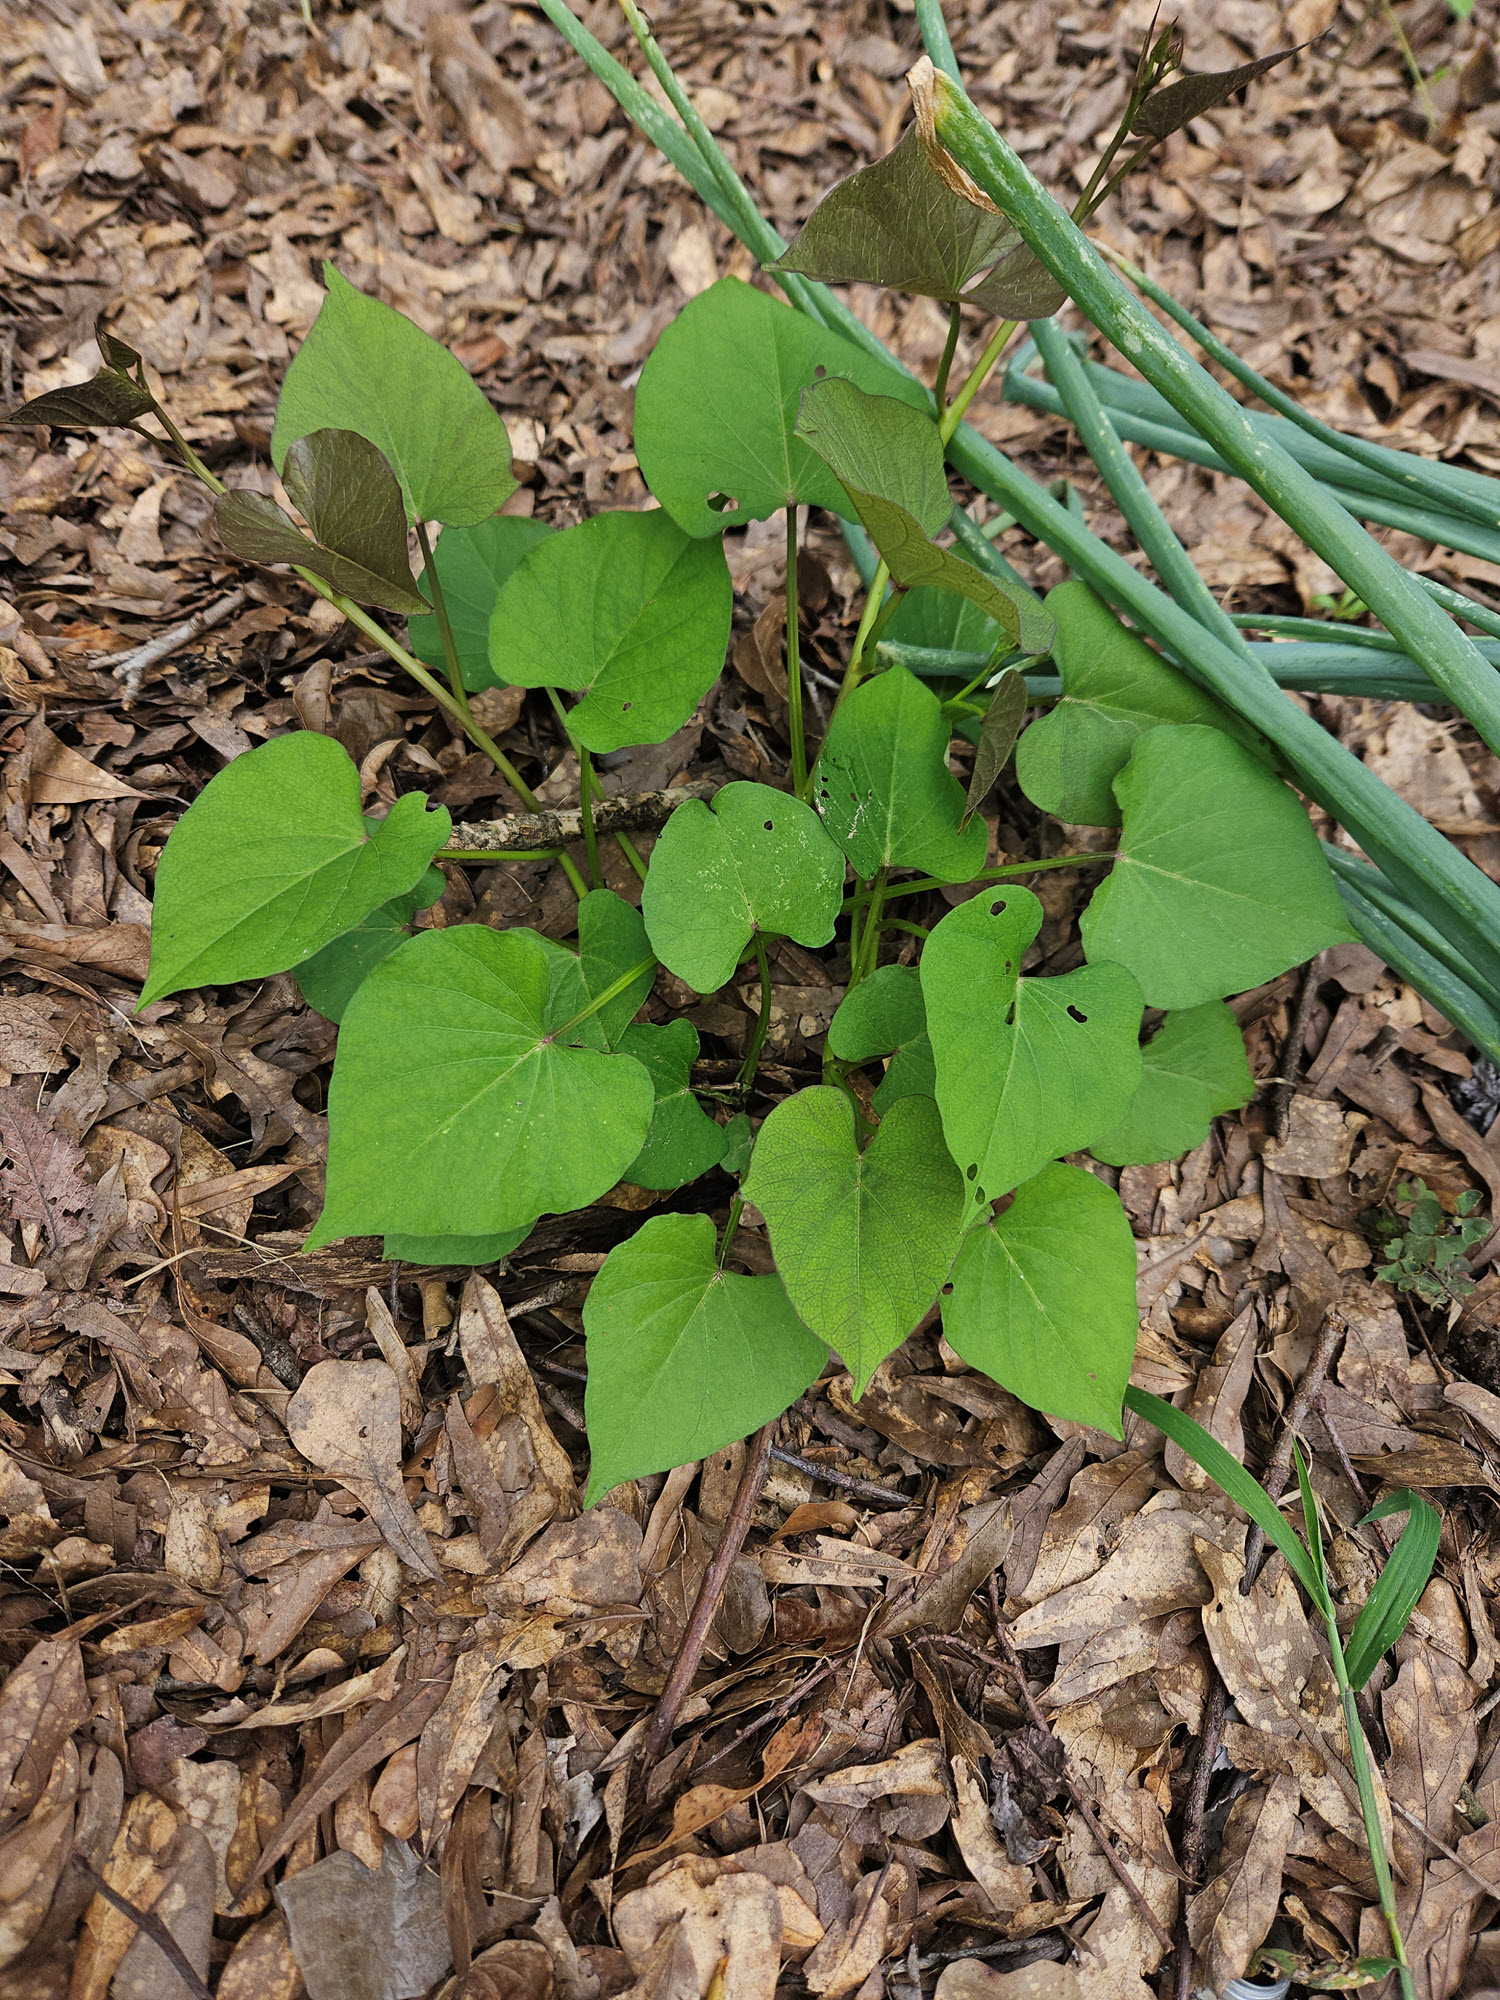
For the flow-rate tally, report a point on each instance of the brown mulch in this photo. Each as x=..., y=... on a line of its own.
x=982, y=1690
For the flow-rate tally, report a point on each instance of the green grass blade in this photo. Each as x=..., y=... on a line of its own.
x=1398, y=1586
x=1231, y=1477
x=1424, y=864
x=1122, y=476
x=1453, y=996
x=1401, y=605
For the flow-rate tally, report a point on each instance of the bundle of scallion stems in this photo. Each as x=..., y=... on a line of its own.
x=1416, y=900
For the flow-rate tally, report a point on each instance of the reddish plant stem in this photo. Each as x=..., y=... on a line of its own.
x=710, y=1592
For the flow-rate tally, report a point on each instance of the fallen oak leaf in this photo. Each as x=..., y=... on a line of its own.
x=370, y=1741
x=346, y=1420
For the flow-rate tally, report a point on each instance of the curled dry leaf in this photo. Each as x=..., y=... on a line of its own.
x=696, y=1928
x=346, y=1420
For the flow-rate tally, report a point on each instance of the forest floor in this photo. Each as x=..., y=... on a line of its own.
x=213, y=1658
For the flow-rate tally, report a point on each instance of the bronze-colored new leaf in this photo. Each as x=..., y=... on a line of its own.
x=997, y=736
x=1166, y=111
x=349, y=496
x=899, y=224
x=109, y=400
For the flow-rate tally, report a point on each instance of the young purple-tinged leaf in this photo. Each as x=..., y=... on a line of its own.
x=862, y=1240
x=118, y=354
x=109, y=400
x=888, y=458
x=352, y=503
x=365, y=367
x=663, y=1323
x=898, y=224
x=1167, y=110
x=997, y=736
x=1043, y=1297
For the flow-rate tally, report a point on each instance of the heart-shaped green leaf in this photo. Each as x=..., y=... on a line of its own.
x=683, y=1141
x=716, y=407
x=1026, y=1068
x=684, y=1358
x=611, y=943
x=881, y=450
x=625, y=607
x=472, y=566
x=365, y=367
x=885, y=1016
x=862, y=1240
x=1192, y=1071
x=1220, y=883
x=889, y=460
x=329, y=977
x=272, y=861
x=884, y=788
x=455, y=1109
x=1043, y=1297
x=757, y=861
x=453, y=1249
x=897, y=223
x=1115, y=688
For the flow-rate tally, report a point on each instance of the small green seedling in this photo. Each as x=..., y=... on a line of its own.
x=485, y=1078
x=1429, y=1256
x=1383, y=1618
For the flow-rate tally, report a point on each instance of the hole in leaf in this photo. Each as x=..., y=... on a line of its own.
x=995, y=909
x=820, y=373
x=1010, y=1015
x=769, y=827
x=947, y=1291
x=972, y=1171
x=722, y=503
x=626, y=706
x=1074, y=1015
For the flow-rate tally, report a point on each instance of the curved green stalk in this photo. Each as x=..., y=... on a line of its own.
x=1401, y=606
x=762, y=1020
x=1131, y=495
x=1415, y=474
x=794, y=660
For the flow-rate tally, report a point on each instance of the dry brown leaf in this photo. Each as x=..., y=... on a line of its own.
x=1005, y=1883
x=1319, y=1140
x=363, y=1934
x=346, y=1420
x=505, y=1414
x=44, y=1181
x=1154, y=1571
x=1217, y=1399
x=708, y=1926
x=1281, y=1684
x=1119, y=1948
x=453, y=1739
x=61, y=777
x=1228, y=1919
x=575, y=1567
x=42, y=1703
x=261, y=1966
x=974, y=1979
x=850, y=1950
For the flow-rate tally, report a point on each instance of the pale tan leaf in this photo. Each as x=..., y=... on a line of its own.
x=346, y=1420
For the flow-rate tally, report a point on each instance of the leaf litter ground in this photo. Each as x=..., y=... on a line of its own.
x=312, y=1657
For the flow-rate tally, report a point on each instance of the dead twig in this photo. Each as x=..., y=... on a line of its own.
x=132, y=668
x=1279, y=1471
x=1013, y=1670
x=626, y=812
x=775, y=1713
x=1291, y=1055
x=1192, y=1824
x=153, y=1927
x=709, y=1593
x=866, y=1489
